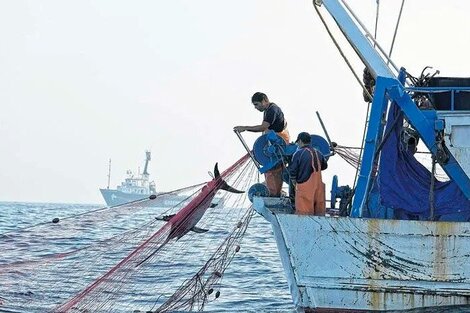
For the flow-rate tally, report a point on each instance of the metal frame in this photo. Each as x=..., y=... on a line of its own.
x=388, y=87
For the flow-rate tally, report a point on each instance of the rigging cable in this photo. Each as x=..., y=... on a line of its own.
x=119, y=274
x=368, y=35
x=388, y=62
x=341, y=51
x=359, y=158
x=134, y=204
x=355, y=75
x=195, y=291
x=376, y=22
x=396, y=30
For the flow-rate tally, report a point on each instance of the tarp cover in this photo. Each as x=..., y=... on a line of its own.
x=401, y=189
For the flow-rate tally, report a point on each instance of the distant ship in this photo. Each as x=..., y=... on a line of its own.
x=139, y=187
x=134, y=187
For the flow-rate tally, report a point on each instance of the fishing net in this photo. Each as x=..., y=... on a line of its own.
x=124, y=258
x=349, y=155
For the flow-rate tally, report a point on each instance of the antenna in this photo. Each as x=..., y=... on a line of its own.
x=147, y=159
x=109, y=173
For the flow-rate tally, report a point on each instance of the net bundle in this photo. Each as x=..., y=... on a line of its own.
x=120, y=259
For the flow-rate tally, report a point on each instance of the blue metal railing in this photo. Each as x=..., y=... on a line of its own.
x=435, y=90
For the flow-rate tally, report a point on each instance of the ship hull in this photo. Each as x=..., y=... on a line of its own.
x=342, y=264
x=114, y=197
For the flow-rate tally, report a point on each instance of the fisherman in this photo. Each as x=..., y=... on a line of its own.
x=273, y=119
x=305, y=173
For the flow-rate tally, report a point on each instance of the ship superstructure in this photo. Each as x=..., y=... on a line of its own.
x=134, y=187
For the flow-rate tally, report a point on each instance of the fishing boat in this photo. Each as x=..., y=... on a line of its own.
x=401, y=238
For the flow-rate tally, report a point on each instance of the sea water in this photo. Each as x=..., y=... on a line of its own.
x=253, y=282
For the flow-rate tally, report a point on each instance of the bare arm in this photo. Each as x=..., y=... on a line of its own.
x=256, y=129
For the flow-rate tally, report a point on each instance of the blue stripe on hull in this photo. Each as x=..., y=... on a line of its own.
x=114, y=197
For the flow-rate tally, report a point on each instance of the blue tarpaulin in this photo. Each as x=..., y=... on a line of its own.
x=402, y=186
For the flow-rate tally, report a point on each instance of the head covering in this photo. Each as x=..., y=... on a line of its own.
x=258, y=97
x=304, y=137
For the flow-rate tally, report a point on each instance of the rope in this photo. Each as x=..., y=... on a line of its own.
x=351, y=157
x=396, y=30
x=341, y=52
x=118, y=275
x=369, y=35
x=363, y=141
x=201, y=285
x=352, y=162
x=136, y=203
x=130, y=287
x=376, y=21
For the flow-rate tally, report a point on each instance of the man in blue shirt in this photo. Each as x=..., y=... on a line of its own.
x=273, y=119
x=305, y=173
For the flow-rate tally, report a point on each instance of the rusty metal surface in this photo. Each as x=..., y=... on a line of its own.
x=457, y=132
x=441, y=309
x=372, y=264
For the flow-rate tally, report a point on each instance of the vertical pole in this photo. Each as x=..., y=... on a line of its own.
x=431, y=191
x=372, y=140
x=452, y=99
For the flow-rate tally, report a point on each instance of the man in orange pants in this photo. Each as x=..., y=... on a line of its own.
x=305, y=172
x=273, y=119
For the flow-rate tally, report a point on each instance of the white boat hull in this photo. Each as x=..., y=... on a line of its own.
x=338, y=264
x=114, y=197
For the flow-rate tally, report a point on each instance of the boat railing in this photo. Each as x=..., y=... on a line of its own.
x=445, y=98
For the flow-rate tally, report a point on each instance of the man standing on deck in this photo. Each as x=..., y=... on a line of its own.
x=305, y=173
x=273, y=119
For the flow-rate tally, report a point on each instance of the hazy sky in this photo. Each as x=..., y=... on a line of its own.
x=85, y=81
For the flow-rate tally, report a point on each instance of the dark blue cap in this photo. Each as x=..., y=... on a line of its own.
x=304, y=137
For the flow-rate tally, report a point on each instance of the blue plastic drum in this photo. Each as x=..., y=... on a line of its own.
x=320, y=143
